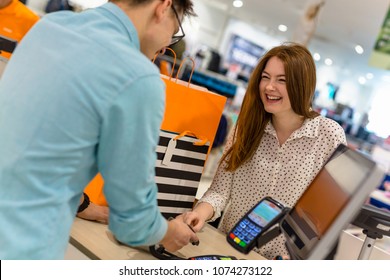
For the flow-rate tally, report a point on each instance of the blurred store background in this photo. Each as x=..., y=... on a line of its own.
x=349, y=40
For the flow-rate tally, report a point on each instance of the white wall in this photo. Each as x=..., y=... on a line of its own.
x=37, y=6
x=350, y=92
x=205, y=29
x=214, y=26
x=353, y=94
x=379, y=113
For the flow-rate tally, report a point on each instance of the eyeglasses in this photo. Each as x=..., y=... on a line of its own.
x=176, y=38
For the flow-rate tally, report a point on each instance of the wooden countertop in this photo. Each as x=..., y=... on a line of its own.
x=97, y=242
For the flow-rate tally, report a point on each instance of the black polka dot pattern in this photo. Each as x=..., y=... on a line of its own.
x=282, y=172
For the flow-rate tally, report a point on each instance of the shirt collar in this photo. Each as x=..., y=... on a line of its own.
x=120, y=15
x=308, y=129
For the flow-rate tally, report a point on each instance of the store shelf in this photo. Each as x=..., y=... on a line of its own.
x=214, y=82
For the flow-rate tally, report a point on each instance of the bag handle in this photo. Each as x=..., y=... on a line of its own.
x=174, y=60
x=202, y=140
x=172, y=145
x=181, y=65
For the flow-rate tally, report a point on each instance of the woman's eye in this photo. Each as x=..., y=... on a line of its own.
x=264, y=77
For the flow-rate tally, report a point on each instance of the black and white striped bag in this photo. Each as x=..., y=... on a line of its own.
x=179, y=167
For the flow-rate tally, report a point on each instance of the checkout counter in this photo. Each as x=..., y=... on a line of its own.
x=95, y=241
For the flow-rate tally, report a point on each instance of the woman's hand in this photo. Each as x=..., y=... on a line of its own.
x=198, y=217
x=194, y=219
x=178, y=235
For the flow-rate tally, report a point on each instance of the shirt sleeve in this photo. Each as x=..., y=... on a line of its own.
x=126, y=160
x=331, y=136
x=336, y=133
x=219, y=192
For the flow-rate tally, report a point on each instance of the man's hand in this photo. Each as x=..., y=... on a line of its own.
x=95, y=213
x=178, y=235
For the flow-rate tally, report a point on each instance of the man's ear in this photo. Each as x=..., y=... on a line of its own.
x=162, y=9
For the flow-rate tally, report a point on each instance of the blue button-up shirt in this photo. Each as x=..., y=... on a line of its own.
x=77, y=98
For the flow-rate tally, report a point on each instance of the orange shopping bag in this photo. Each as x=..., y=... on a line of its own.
x=190, y=122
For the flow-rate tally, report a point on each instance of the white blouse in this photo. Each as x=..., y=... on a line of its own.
x=282, y=172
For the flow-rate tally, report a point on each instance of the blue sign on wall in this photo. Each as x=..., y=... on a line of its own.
x=244, y=53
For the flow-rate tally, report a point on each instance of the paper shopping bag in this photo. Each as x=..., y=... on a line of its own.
x=193, y=109
x=188, y=108
x=179, y=166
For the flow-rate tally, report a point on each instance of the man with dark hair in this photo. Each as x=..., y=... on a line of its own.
x=81, y=96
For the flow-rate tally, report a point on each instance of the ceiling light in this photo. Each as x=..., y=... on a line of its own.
x=369, y=76
x=328, y=61
x=362, y=80
x=238, y=3
x=282, y=28
x=359, y=49
x=316, y=56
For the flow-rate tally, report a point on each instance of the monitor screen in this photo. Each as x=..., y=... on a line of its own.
x=331, y=201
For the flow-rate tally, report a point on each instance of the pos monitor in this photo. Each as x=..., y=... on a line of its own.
x=312, y=227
